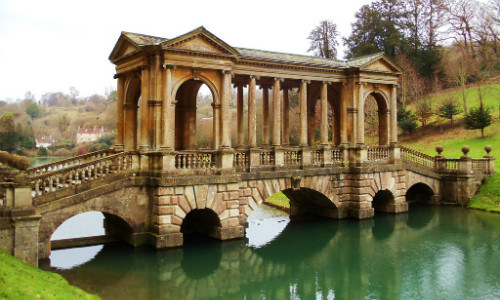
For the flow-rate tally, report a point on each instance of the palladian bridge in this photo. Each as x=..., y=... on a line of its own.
x=156, y=184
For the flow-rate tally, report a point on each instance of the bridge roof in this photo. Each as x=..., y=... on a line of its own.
x=141, y=40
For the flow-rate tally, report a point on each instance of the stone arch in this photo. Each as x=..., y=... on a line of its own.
x=385, y=192
x=185, y=93
x=204, y=221
x=320, y=189
x=50, y=223
x=383, y=200
x=206, y=80
x=383, y=106
x=131, y=112
x=419, y=193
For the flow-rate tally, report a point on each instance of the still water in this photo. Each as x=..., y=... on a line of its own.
x=429, y=253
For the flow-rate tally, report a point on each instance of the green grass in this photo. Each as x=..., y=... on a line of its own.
x=20, y=281
x=488, y=197
x=452, y=138
x=279, y=200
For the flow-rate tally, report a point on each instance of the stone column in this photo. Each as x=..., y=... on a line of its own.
x=343, y=115
x=361, y=115
x=168, y=110
x=277, y=112
x=324, y=115
x=252, y=113
x=216, y=124
x=285, y=119
x=144, y=141
x=394, y=116
x=303, y=112
x=226, y=113
x=265, y=116
x=119, y=112
x=239, y=120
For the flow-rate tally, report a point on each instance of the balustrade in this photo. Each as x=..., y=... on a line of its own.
x=267, y=158
x=194, y=160
x=51, y=181
x=293, y=157
x=378, y=153
x=241, y=159
x=337, y=155
x=68, y=163
x=480, y=165
x=418, y=158
x=317, y=157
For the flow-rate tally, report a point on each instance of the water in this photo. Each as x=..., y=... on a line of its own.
x=38, y=161
x=429, y=253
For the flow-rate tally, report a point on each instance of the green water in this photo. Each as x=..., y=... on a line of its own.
x=429, y=253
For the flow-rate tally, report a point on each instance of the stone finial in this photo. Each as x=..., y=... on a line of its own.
x=439, y=149
x=488, y=149
x=465, y=149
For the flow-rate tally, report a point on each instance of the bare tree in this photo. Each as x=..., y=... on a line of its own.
x=324, y=40
x=413, y=85
x=461, y=17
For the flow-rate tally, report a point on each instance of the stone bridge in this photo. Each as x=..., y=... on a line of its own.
x=165, y=176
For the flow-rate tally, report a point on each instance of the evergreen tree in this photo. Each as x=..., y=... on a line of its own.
x=33, y=110
x=449, y=109
x=478, y=118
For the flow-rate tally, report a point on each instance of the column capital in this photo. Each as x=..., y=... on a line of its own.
x=264, y=87
x=279, y=79
x=239, y=84
x=227, y=72
x=257, y=77
x=326, y=82
x=169, y=66
x=306, y=81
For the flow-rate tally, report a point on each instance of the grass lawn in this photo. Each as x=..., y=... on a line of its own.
x=279, y=200
x=20, y=281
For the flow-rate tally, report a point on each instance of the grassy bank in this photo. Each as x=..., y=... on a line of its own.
x=20, y=281
x=279, y=201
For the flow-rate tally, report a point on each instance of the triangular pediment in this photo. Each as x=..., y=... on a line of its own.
x=124, y=46
x=380, y=64
x=200, y=41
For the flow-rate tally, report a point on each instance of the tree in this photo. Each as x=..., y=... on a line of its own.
x=406, y=119
x=424, y=110
x=8, y=136
x=478, y=118
x=449, y=109
x=33, y=110
x=324, y=40
x=378, y=27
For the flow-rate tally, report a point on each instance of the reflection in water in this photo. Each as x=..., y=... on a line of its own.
x=70, y=258
x=454, y=256
x=264, y=225
x=420, y=215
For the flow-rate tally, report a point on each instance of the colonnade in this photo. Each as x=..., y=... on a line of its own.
x=156, y=127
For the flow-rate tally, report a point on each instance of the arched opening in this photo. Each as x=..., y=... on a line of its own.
x=376, y=123
x=419, y=193
x=201, y=221
x=131, y=113
x=383, y=201
x=81, y=237
x=194, y=116
x=314, y=121
x=306, y=202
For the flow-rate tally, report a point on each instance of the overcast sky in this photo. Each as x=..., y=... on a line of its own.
x=51, y=45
